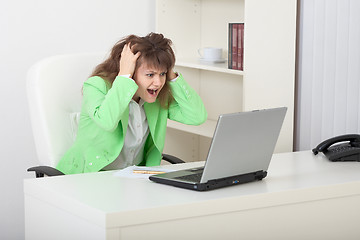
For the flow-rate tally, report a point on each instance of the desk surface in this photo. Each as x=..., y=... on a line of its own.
x=109, y=201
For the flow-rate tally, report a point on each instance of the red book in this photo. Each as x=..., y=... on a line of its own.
x=234, y=46
x=240, y=47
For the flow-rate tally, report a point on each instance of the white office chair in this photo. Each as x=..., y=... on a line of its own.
x=54, y=88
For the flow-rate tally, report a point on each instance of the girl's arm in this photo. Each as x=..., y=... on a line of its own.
x=106, y=107
x=187, y=106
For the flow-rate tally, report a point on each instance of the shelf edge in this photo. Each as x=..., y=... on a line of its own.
x=208, y=67
x=206, y=129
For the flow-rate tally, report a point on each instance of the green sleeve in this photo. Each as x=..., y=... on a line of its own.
x=188, y=108
x=106, y=106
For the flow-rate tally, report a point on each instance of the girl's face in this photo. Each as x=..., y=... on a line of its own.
x=150, y=82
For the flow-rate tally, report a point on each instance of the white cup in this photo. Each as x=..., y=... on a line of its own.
x=210, y=53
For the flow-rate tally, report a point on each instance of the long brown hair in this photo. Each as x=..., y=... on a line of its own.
x=155, y=50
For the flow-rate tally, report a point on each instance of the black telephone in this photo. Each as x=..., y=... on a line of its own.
x=348, y=151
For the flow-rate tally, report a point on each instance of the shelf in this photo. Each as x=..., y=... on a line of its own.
x=206, y=129
x=268, y=77
x=215, y=67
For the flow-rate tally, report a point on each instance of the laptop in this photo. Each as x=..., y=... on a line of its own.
x=240, y=152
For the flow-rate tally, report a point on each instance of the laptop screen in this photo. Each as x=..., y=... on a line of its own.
x=243, y=142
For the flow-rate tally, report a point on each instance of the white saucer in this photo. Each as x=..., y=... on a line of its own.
x=221, y=60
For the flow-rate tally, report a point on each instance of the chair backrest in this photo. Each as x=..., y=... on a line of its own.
x=54, y=89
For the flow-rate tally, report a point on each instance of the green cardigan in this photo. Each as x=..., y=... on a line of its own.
x=104, y=121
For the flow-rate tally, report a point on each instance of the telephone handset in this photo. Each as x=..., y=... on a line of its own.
x=341, y=148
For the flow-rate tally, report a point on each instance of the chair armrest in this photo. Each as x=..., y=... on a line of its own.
x=40, y=171
x=171, y=159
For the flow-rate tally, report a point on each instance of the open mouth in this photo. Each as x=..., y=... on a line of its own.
x=153, y=91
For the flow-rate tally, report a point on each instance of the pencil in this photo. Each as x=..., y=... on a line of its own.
x=148, y=171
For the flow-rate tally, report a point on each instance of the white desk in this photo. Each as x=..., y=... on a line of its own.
x=303, y=197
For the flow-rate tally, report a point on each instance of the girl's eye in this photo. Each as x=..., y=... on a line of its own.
x=163, y=74
x=150, y=74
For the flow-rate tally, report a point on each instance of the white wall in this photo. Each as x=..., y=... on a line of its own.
x=34, y=29
x=329, y=71
x=30, y=31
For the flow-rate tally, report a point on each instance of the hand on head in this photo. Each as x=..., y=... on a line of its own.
x=171, y=74
x=128, y=61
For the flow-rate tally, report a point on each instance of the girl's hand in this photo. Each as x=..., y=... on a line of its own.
x=171, y=75
x=128, y=61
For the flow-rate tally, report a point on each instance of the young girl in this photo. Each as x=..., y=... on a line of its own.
x=126, y=104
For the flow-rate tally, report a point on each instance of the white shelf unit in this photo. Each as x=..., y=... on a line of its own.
x=269, y=63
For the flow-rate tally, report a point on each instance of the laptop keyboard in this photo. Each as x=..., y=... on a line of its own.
x=191, y=178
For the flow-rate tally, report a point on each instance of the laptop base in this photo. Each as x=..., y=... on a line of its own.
x=213, y=184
